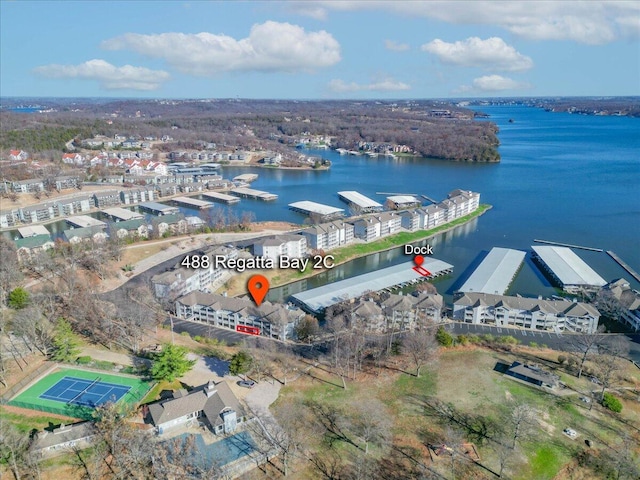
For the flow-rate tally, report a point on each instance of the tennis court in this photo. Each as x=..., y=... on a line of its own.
x=75, y=392
x=79, y=391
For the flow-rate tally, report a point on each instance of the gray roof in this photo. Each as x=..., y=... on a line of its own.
x=533, y=372
x=567, y=266
x=85, y=232
x=64, y=434
x=528, y=304
x=495, y=272
x=197, y=400
x=319, y=298
x=314, y=207
x=358, y=199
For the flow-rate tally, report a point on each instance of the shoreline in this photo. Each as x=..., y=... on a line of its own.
x=277, y=279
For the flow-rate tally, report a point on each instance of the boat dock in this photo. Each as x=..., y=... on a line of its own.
x=84, y=221
x=313, y=208
x=254, y=194
x=192, y=202
x=158, y=209
x=547, y=242
x=397, y=276
x=246, y=177
x=360, y=203
x=624, y=265
x=221, y=198
x=120, y=214
x=496, y=272
x=567, y=269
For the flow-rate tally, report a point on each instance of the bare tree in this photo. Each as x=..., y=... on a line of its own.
x=14, y=447
x=372, y=423
x=584, y=345
x=421, y=347
x=34, y=327
x=607, y=371
x=10, y=273
x=521, y=422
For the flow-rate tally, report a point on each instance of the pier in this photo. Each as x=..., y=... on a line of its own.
x=624, y=265
x=246, y=177
x=158, y=208
x=361, y=203
x=254, y=194
x=192, y=202
x=325, y=212
x=120, y=214
x=221, y=198
x=547, y=242
x=84, y=221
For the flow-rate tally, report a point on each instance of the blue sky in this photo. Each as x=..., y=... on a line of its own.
x=319, y=49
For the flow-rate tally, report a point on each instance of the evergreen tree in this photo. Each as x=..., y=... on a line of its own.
x=18, y=298
x=171, y=363
x=240, y=363
x=65, y=342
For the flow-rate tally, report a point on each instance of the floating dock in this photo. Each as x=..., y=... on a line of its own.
x=84, y=221
x=221, y=198
x=33, y=231
x=496, y=272
x=624, y=265
x=246, y=177
x=313, y=208
x=567, y=269
x=122, y=214
x=158, y=209
x=568, y=245
x=255, y=194
x=192, y=202
x=360, y=202
x=404, y=201
x=317, y=299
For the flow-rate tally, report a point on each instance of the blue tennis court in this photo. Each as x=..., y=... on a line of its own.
x=81, y=391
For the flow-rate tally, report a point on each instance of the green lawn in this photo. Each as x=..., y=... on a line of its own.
x=30, y=398
x=26, y=424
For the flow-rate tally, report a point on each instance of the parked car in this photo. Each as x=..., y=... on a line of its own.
x=585, y=399
x=570, y=432
x=247, y=383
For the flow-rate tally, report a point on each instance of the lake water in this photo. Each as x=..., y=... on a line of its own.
x=567, y=178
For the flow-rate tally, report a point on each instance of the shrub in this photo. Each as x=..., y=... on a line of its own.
x=487, y=338
x=18, y=298
x=611, y=402
x=444, y=338
x=462, y=339
x=533, y=344
x=562, y=359
x=509, y=340
x=199, y=339
x=185, y=334
x=84, y=360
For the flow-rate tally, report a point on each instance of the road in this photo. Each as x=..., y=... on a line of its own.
x=556, y=341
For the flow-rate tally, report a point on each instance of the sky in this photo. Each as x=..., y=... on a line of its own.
x=319, y=49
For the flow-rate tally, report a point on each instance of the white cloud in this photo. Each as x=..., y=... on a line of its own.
x=396, y=46
x=591, y=22
x=111, y=77
x=386, y=85
x=492, y=54
x=270, y=47
x=496, y=83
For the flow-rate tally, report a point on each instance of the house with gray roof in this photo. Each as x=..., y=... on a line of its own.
x=292, y=246
x=63, y=439
x=627, y=300
x=212, y=404
x=533, y=374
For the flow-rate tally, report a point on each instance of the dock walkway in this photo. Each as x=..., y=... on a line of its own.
x=624, y=265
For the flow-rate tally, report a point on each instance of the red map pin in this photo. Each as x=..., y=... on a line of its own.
x=258, y=286
x=418, y=260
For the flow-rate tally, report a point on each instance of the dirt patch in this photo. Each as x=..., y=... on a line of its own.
x=24, y=412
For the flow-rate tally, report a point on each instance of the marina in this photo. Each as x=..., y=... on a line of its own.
x=221, y=198
x=317, y=299
x=496, y=272
x=246, y=177
x=32, y=231
x=360, y=202
x=567, y=269
x=158, y=209
x=192, y=203
x=307, y=207
x=120, y=214
x=254, y=194
x=84, y=221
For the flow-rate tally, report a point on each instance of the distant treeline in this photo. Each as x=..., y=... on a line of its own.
x=251, y=124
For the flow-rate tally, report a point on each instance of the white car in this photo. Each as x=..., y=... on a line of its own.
x=570, y=432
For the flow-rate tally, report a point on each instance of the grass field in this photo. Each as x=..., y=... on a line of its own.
x=30, y=398
x=465, y=379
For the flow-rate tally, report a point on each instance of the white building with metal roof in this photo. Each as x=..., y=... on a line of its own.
x=567, y=269
x=313, y=208
x=359, y=202
x=496, y=272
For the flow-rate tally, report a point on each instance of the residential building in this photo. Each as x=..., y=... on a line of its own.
x=211, y=404
x=530, y=313
x=18, y=155
x=65, y=182
x=166, y=189
x=136, y=195
x=272, y=320
x=77, y=235
x=129, y=228
x=326, y=236
x=64, y=439
x=39, y=212
x=293, y=246
x=28, y=186
x=367, y=229
x=410, y=220
x=32, y=245
x=72, y=206
x=72, y=158
x=533, y=374
x=9, y=218
x=173, y=223
x=627, y=301
x=106, y=199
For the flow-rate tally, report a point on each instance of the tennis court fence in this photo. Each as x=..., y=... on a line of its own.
x=33, y=376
